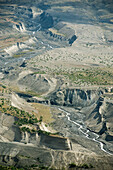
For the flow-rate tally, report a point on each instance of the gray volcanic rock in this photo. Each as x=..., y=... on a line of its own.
x=23, y=64
x=75, y=97
x=35, y=83
x=8, y=131
x=98, y=111
x=27, y=156
x=109, y=137
x=72, y=39
x=54, y=142
x=46, y=20
x=100, y=117
x=30, y=29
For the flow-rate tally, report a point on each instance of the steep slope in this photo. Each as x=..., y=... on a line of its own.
x=75, y=97
x=100, y=119
x=58, y=54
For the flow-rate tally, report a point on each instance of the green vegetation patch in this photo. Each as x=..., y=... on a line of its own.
x=23, y=118
x=20, y=54
x=84, y=166
x=99, y=76
x=10, y=168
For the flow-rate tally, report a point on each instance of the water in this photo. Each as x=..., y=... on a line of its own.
x=88, y=134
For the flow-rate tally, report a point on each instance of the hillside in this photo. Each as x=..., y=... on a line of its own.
x=56, y=84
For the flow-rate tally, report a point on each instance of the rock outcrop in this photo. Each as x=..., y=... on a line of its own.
x=75, y=97
x=72, y=39
x=8, y=131
x=99, y=118
x=46, y=20
x=36, y=83
x=55, y=142
x=28, y=156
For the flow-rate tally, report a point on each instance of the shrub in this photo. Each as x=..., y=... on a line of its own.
x=72, y=165
x=84, y=166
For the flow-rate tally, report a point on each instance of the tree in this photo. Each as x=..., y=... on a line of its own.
x=40, y=120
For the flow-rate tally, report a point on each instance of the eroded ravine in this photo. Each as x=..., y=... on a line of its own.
x=81, y=128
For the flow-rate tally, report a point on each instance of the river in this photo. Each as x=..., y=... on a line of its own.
x=82, y=129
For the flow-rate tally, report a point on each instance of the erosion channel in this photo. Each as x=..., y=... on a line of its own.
x=56, y=84
x=88, y=134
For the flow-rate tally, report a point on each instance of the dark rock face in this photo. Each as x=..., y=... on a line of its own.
x=33, y=100
x=46, y=20
x=23, y=64
x=51, y=35
x=73, y=38
x=104, y=128
x=75, y=97
x=24, y=96
x=109, y=138
x=54, y=142
x=64, y=39
x=6, y=72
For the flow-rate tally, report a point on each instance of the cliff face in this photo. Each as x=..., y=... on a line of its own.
x=27, y=156
x=98, y=110
x=8, y=131
x=75, y=97
x=54, y=142
x=99, y=119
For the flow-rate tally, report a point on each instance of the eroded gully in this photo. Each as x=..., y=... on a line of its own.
x=82, y=129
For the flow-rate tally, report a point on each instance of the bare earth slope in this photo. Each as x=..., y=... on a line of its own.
x=56, y=84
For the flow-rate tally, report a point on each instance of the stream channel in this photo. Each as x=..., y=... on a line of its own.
x=94, y=137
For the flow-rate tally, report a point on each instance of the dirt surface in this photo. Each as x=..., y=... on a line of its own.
x=56, y=84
